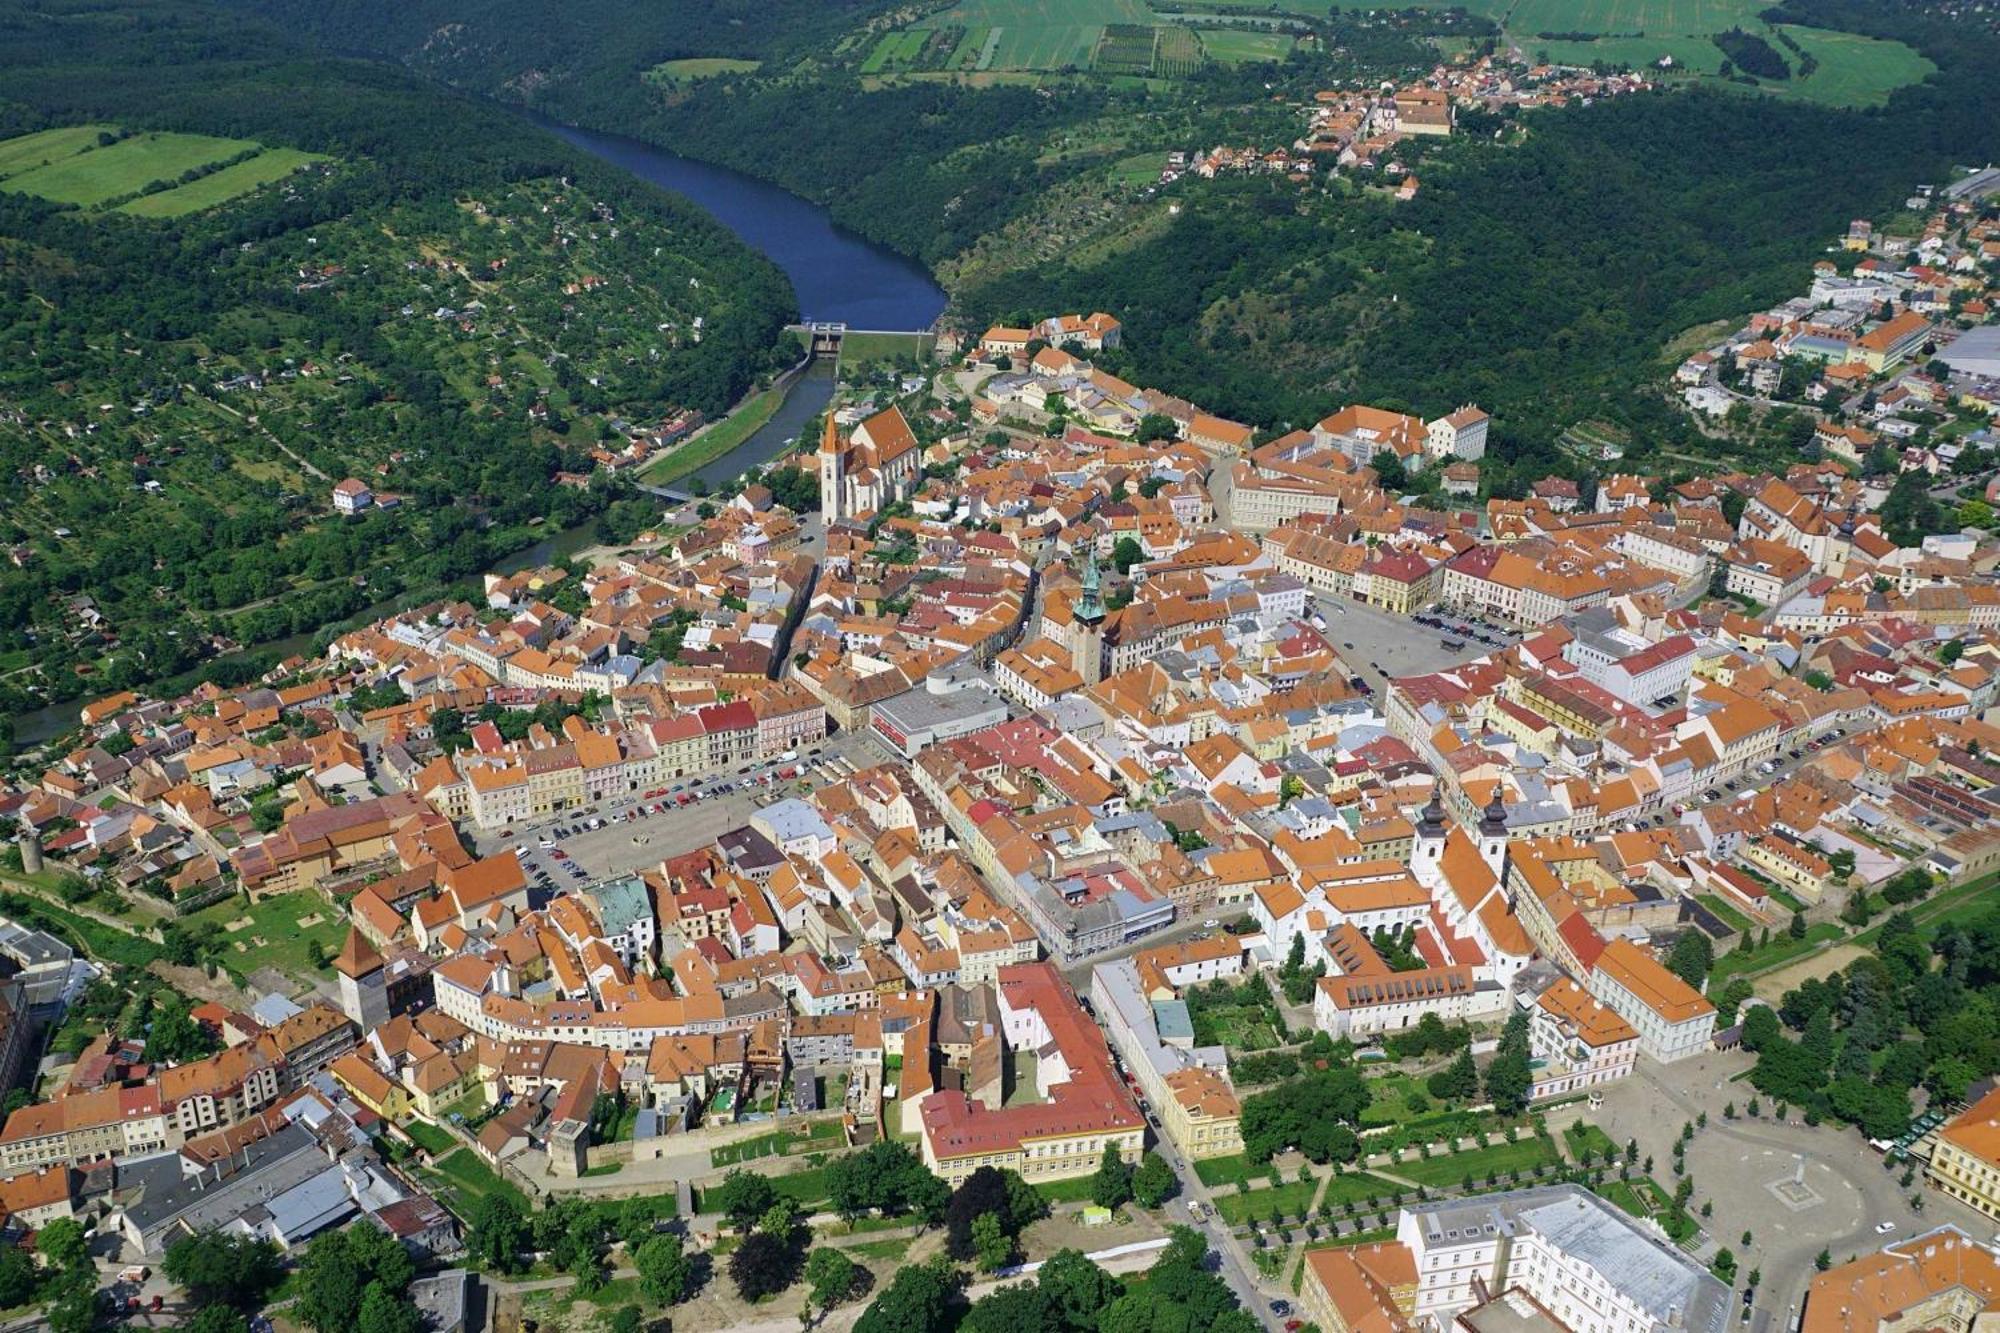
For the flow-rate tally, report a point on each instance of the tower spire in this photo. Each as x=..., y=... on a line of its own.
x=1090, y=605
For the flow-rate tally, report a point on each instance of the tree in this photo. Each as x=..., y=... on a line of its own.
x=337, y=1270
x=991, y=1244
x=1313, y=1114
x=386, y=1312
x=1390, y=474
x=1797, y=930
x=18, y=1278
x=888, y=1177
x=743, y=1197
x=1112, y=1185
x=63, y=1245
x=921, y=1299
x=1076, y=1289
x=1127, y=553
x=666, y=1273
x=763, y=1265
x=1156, y=426
x=832, y=1276
x=223, y=1268
x=628, y=1319
x=1458, y=1081
x=1691, y=958
x=499, y=1232
x=217, y=1319
x=1510, y=1077
x=1153, y=1182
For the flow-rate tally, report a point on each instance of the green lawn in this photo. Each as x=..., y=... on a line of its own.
x=29, y=151
x=1215, y=1171
x=698, y=67
x=464, y=1180
x=1291, y=1198
x=1227, y=46
x=895, y=1247
x=1724, y=912
x=221, y=186
x=1642, y=1197
x=716, y=440
x=1582, y=1138
x=1853, y=70
x=1499, y=1159
x=274, y=936
x=429, y=1137
x=1076, y=1189
x=91, y=176
x=867, y=349
x=1783, y=949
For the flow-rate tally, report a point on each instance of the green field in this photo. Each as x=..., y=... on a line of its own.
x=1500, y=1159
x=1020, y=35
x=463, y=1180
x=274, y=938
x=91, y=175
x=1227, y=46
x=70, y=166
x=715, y=441
x=46, y=146
x=1124, y=48
x=221, y=186
x=698, y=67
x=1853, y=70
x=865, y=349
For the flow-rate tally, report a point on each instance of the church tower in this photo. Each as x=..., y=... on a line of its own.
x=364, y=992
x=1429, y=843
x=1493, y=836
x=832, y=472
x=1087, y=634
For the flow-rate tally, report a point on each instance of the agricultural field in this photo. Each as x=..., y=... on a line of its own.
x=1228, y=46
x=1848, y=70
x=89, y=166
x=220, y=187
x=1853, y=70
x=1125, y=48
x=669, y=72
x=988, y=40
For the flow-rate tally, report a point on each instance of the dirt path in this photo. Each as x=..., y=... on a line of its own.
x=1772, y=985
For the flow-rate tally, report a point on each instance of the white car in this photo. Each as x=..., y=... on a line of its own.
x=1884, y=1228
x=544, y=843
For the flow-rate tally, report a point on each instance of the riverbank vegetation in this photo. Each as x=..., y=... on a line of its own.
x=243, y=272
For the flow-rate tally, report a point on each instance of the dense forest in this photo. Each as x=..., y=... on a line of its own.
x=453, y=304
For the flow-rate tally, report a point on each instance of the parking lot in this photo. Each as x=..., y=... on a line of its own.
x=1376, y=644
x=640, y=830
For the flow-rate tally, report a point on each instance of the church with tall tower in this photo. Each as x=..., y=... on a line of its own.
x=870, y=467
x=1087, y=628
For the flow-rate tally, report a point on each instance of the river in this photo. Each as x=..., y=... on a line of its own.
x=838, y=277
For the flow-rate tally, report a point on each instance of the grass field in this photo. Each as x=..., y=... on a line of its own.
x=1723, y=911
x=698, y=67
x=1499, y=1159
x=69, y=166
x=1022, y=35
x=1643, y=1197
x=429, y=1137
x=865, y=349
x=1229, y=47
x=91, y=175
x=275, y=937
x=1228, y=1170
x=464, y=1180
x=46, y=146
x=1853, y=70
x=716, y=440
x=221, y=186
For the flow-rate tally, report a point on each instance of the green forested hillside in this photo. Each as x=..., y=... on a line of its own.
x=438, y=298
